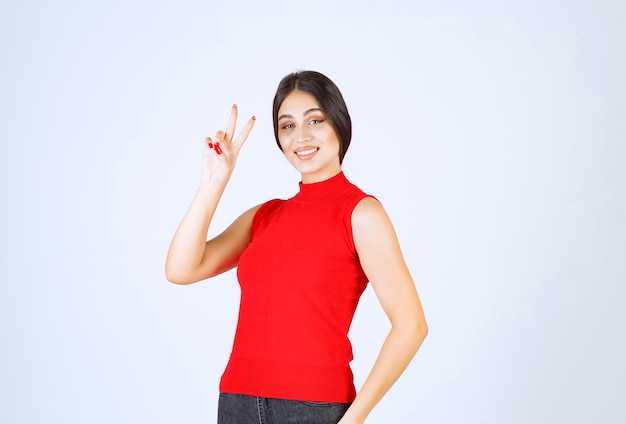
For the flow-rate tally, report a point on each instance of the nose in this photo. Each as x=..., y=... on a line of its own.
x=303, y=134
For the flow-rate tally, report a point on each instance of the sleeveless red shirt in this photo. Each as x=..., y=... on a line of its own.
x=300, y=280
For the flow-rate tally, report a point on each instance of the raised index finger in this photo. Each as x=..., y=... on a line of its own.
x=243, y=135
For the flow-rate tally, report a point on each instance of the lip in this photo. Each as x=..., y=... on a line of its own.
x=306, y=152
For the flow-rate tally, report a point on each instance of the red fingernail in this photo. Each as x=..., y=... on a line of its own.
x=210, y=145
x=218, y=150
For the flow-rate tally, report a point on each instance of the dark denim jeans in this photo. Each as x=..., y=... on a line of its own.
x=243, y=409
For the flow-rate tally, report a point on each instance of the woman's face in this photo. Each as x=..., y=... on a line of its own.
x=307, y=138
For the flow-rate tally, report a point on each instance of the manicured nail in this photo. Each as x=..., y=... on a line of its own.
x=218, y=149
x=210, y=145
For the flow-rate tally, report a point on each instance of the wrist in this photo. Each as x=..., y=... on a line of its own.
x=211, y=189
x=214, y=182
x=352, y=417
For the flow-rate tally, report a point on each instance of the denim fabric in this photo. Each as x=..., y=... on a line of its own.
x=243, y=409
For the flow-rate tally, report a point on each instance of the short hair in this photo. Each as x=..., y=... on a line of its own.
x=329, y=98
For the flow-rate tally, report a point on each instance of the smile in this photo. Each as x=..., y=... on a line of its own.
x=307, y=152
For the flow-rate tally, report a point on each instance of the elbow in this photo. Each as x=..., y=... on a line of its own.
x=413, y=331
x=422, y=330
x=176, y=277
x=180, y=273
x=416, y=332
x=173, y=278
x=421, y=326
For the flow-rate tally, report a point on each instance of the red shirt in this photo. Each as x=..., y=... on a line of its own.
x=300, y=280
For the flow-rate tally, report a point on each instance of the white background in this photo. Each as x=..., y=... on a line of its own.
x=493, y=132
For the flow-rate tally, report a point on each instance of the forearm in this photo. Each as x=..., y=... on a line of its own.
x=396, y=353
x=186, y=262
x=188, y=244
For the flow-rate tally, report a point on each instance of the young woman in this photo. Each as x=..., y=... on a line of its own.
x=302, y=265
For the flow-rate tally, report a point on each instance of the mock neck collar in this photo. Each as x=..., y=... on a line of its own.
x=322, y=189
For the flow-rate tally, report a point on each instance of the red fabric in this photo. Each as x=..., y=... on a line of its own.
x=300, y=281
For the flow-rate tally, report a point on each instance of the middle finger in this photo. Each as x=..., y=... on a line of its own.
x=232, y=123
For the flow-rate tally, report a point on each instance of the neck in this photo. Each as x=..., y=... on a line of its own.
x=316, y=177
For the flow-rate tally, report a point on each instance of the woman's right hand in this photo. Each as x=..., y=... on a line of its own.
x=220, y=153
x=190, y=257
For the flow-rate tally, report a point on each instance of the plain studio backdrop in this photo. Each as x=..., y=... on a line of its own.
x=493, y=133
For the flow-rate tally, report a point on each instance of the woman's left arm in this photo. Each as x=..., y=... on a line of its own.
x=381, y=258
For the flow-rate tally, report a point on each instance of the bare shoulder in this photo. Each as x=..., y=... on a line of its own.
x=371, y=224
x=367, y=212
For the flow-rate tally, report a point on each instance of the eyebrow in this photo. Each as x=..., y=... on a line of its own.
x=314, y=109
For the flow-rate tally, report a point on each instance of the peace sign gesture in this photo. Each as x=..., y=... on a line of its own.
x=220, y=154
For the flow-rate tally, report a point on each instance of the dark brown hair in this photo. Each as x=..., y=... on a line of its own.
x=329, y=98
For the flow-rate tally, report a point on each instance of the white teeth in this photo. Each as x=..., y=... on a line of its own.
x=306, y=152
